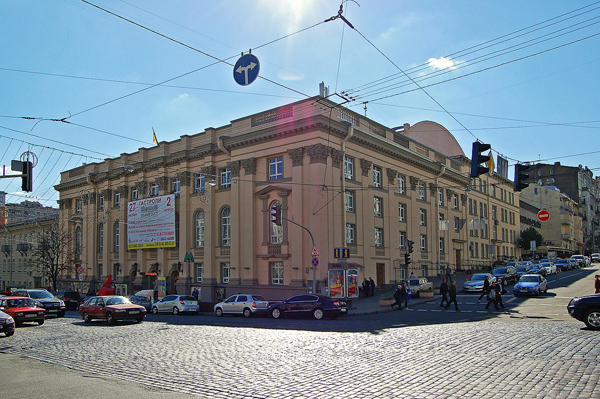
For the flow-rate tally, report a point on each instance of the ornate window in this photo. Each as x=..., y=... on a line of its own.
x=199, y=228
x=225, y=226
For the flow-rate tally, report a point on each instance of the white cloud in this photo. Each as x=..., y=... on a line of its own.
x=441, y=63
x=290, y=76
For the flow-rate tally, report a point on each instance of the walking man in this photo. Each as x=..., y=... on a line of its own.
x=404, y=293
x=449, y=273
x=452, y=293
x=486, y=289
x=499, y=292
x=372, y=284
x=444, y=292
x=366, y=287
x=492, y=296
x=398, y=297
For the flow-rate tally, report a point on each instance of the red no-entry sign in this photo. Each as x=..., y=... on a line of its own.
x=543, y=215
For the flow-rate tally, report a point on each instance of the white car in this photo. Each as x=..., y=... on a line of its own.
x=244, y=304
x=176, y=304
x=549, y=266
x=595, y=258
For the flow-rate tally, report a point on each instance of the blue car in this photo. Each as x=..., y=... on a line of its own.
x=534, y=284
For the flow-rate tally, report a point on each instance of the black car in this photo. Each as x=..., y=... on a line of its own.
x=309, y=304
x=72, y=299
x=7, y=324
x=586, y=309
x=46, y=300
x=508, y=274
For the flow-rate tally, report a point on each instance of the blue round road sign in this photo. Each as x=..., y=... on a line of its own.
x=315, y=261
x=245, y=70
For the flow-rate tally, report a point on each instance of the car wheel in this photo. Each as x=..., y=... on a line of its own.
x=175, y=310
x=219, y=312
x=318, y=313
x=247, y=312
x=61, y=314
x=154, y=310
x=9, y=333
x=538, y=292
x=276, y=313
x=41, y=322
x=592, y=319
x=86, y=317
x=110, y=318
x=138, y=321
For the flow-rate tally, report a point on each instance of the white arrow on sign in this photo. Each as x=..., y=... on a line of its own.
x=245, y=69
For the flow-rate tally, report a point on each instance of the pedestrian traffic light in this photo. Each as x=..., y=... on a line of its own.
x=521, y=176
x=276, y=214
x=407, y=259
x=477, y=159
x=410, y=246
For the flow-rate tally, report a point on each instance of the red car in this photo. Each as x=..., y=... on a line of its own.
x=22, y=309
x=111, y=308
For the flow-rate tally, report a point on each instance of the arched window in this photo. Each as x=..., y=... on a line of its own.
x=117, y=236
x=276, y=232
x=225, y=226
x=101, y=237
x=199, y=225
x=78, y=240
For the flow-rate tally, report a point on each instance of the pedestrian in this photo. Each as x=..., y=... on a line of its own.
x=492, y=296
x=366, y=286
x=452, y=294
x=404, y=295
x=448, y=273
x=486, y=288
x=397, y=297
x=412, y=275
x=597, y=284
x=499, y=291
x=372, y=286
x=444, y=292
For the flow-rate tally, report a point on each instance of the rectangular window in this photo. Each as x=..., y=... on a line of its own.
x=153, y=189
x=101, y=202
x=135, y=194
x=378, y=207
x=377, y=182
x=101, y=237
x=379, y=237
x=455, y=201
x=175, y=186
x=199, y=271
x=442, y=245
x=349, y=199
x=402, y=212
x=456, y=225
x=117, y=245
x=276, y=168
x=199, y=183
x=349, y=168
x=401, y=184
x=402, y=239
x=423, y=242
x=422, y=217
x=277, y=273
x=78, y=205
x=422, y=191
x=440, y=193
x=225, y=179
x=350, y=233
x=117, y=201
x=225, y=272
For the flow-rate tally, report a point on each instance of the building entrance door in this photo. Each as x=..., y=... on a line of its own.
x=380, y=267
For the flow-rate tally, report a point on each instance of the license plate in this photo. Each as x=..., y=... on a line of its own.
x=134, y=312
x=52, y=310
x=343, y=310
x=30, y=315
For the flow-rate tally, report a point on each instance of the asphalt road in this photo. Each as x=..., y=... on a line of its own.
x=532, y=349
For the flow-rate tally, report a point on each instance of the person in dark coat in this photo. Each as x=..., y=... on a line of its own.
x=452, y=294
x=372, y=286
x=492, y=295
x=448, y=273
x=404, y=294
x=486, y=289
x=397, y=297
x=499, y=291
x=444, y=292
x=597, y=284
x=366, y=286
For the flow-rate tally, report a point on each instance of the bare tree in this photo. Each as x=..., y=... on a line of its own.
x=54, y=253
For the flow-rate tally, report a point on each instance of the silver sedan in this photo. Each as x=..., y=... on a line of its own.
x=244, y=304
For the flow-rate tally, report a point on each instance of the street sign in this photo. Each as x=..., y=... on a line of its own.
x=543, y=215
x=245, y=70
x=315, y=251
x=80, y=270
x=315, y=261
x=341, y=253
x=189, y=257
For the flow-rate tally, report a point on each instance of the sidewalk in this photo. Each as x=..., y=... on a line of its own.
x=370, y=305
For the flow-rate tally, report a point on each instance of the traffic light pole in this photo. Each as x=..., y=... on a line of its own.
x=314, y=280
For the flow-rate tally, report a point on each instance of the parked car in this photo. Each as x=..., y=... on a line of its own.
x=416, y=286
x=72, y=299
x=586, y=309
x=549, y=266
x=531, y=284
x=537, y=269
x=508, y=274
x=474, y=283
x=176, y=304
x=309, y=304
x=581, y=261
x=22, y=309
x=111, y=308
x=140, y=300
x=562, y=265
x=575, y=264
x=595, y=258
x=245, y=304
x=521, y=270
x=7, y=324
x=46, y=300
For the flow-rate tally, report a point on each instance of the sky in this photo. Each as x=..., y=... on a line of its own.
x=82, y=81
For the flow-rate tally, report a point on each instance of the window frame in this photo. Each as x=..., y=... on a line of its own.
x=377, y=176
x=276, y=168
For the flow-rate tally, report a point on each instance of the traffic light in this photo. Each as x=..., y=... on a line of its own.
x=27, y=178
x=477, y=159
x=276, y=214
x=410, y=246
x=407, y=259
x=520, y=176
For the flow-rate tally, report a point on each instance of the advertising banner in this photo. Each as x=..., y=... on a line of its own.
x=352, y=278
x=151, y=223
x=336, y=283
x=161, y=287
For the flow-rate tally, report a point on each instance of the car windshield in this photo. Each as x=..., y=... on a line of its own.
x=188, y=298
x=40, y=294
x=478, y=277
x=521, y=269
x=413, y=282
x=500, y=270
x=117, y=300
x=529, y=279
x=20, y=303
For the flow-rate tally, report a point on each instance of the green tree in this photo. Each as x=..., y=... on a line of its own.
x=528, y=235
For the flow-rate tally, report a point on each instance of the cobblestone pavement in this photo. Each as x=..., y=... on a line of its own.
x=373, y=356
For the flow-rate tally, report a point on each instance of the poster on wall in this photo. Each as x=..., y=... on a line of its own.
x=352, y=281
x=151, y=223
x=161, y=287
x=336, y=283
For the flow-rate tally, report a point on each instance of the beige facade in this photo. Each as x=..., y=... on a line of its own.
x=350, y=181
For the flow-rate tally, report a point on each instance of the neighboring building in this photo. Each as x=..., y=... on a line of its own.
x=19, y=267
x=578, y=183
x=26, y=211
x=563, y=232
x=350, y=181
